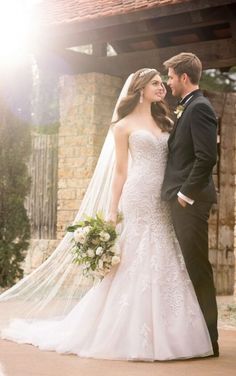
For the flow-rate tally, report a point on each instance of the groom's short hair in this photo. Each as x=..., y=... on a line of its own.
x=188, y=63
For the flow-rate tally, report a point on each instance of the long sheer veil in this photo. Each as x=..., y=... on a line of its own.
x=58, y=284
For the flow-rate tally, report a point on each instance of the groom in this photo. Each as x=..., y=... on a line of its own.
x=188, y=183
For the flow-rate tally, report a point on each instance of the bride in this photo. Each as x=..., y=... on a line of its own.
x=145, y=308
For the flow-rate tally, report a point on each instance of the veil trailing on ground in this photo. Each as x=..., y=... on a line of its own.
x=58, y=284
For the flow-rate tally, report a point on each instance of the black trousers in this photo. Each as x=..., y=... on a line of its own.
x=191, y=227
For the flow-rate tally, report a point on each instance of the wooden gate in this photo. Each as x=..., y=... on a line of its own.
x=41, y=204
x=222, y=220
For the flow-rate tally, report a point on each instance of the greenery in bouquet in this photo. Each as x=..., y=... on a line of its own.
x=95, y=245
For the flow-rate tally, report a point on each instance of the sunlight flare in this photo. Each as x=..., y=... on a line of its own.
x=17, y=30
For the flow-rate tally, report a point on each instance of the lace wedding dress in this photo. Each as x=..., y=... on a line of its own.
x=146, y=308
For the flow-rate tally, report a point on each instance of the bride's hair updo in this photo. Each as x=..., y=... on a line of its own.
x=159, y=110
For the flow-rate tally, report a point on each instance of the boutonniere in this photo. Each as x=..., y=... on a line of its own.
x=179, y=110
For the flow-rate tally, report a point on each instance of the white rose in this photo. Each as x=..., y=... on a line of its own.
x=79, y=237
x=77, y=234
x=104, y=236
x=100, y=264
x=86, y=229
x=115, y=249
x=90, y=252
x=115, y=260
x=99, y=251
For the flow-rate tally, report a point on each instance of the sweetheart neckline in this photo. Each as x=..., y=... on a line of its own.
x=145, y=130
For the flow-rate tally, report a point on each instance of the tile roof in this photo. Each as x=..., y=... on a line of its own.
x=66, y=11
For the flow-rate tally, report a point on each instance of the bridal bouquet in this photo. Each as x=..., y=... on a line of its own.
x=95, y=245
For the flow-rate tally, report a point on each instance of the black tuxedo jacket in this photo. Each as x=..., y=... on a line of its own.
x=192, y=152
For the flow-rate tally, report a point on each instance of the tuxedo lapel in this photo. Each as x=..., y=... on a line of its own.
x=195, y=94
x=173, y=132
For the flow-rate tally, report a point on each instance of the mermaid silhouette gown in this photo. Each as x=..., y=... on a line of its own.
x=145, y=308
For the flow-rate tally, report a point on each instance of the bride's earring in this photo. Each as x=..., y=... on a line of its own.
x=141, y=97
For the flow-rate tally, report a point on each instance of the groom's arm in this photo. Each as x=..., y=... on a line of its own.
x=204, y=132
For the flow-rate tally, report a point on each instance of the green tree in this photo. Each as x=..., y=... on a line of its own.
x=217, y=80
x=14, y=183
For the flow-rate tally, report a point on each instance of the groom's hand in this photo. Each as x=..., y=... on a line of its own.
x=182, y=202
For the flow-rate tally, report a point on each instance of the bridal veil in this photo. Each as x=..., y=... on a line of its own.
x=58, y=284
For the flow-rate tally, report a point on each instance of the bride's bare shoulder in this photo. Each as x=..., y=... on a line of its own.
x=121, y=127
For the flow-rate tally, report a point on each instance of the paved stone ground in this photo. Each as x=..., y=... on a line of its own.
x=227, y=311
x=26, y=360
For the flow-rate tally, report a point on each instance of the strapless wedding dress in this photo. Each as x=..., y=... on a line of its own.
x=145, y=308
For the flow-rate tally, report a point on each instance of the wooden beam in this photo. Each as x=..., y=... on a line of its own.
x=214, y=54
x=120, y=47
x=139, y=15
x=233, y=28
x=99, y=49
x=65, y=61
x=69, y=37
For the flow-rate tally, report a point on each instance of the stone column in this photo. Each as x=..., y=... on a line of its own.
x=86, y=105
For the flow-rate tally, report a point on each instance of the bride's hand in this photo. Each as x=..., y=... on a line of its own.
x=112, y=217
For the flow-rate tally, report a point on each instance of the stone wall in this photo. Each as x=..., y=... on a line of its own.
x=86, y=105
x=39, y=251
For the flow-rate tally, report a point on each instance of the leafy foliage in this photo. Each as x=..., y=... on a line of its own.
x=216, y=80
x=95, y=245
x=14, y=186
